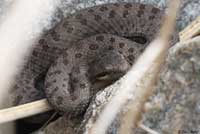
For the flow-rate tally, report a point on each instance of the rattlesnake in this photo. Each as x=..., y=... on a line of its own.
x=86, y=52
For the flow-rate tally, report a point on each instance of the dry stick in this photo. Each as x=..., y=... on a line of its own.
x=150, y=131
x=191, y=30
x=24, y=110
x=148, y=64
x=145, y=88
x=146, y=84
x=33, y=108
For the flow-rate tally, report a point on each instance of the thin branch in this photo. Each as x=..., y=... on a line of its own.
x=24, y=110
x=150, y=131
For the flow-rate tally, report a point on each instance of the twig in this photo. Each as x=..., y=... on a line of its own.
x=150, y=131
x=37, y=107
x=24, y=110
x=191, y=30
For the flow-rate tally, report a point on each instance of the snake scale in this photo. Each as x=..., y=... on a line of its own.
x=86, y=52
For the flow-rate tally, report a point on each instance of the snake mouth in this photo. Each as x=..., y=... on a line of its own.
x=138, y=38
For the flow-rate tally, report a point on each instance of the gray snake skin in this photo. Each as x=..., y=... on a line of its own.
x=86, y=52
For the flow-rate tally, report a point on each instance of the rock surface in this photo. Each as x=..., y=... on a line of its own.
x=176, y=103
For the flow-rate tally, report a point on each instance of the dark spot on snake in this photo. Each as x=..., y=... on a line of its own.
x=90, y=10
x=78, y=55
x=48, y=84
x=97, y=17
x=78, y=16
x=65, y=79
x=59, y=100
x=83, y=21
x=54, y=81
x=73, y=97
x=65, y=62
x=42, y=41
x=55, y=35
x=131, y=58
x=35, y=53
x=103, y=8
x=131, y=50
x=65, y=24
x=93, y=47
x=142, y=7
x=45, y=47
x=140, y=13
x=82, y=85
x=63, y=85
x=51, y=73
x=112, y=14
x=100, y=38
x=125, y=13
x=116, y=4
x=155, y=10
x=77, y=70
x=15, y=86
x=151, y=17
x=75, y=80
x=128, y=5
x=121, y=45
x=70, y=29
x=55, y=89
x=112, y=40
x=110, y=48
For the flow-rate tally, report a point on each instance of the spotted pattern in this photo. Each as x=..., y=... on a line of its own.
x=70, y=54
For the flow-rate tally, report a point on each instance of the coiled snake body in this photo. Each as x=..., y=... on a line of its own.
x=86, y=52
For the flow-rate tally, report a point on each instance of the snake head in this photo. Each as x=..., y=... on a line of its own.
x=106, y=68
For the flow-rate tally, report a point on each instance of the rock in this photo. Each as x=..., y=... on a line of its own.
x=175, y=107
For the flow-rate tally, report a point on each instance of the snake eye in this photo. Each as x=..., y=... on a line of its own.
x=102, y=76
x=141, y=39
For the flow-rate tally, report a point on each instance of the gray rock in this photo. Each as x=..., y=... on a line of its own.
x=175, y=105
